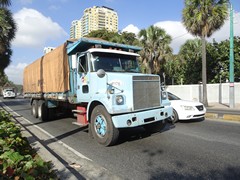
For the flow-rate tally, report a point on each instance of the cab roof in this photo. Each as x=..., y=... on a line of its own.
x=84, y=44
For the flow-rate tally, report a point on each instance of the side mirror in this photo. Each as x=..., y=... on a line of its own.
x=101, y=73
x=74, y=61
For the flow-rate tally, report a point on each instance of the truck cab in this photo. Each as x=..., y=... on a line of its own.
x=108, y=85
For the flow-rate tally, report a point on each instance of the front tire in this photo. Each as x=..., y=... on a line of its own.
x=102, y=127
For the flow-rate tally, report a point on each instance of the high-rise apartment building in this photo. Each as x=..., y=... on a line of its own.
x=75, y=30
x=95, y=18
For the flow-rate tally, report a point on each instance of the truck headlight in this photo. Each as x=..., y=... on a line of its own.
x=164, y=95
x=119, y=100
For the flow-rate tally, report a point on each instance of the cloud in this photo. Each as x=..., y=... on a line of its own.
x=224, y=32
x=15, y=72
x=177, y=31
x=180, y=35
x=34, y=29
x=131, y=28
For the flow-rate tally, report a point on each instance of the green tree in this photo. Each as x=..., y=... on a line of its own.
x=202, y=18
x=174, y=69
x=219, y=54
x=130, y=38
x=103, y=34
x=5, y=3
x=123, y=38
x=7, y=34
x=190, y=55
x=3, y=79
x=156, y=48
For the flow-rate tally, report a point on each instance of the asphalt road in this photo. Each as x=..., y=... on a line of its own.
x=204, y=149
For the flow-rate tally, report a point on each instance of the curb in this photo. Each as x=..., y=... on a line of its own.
x=220, y=116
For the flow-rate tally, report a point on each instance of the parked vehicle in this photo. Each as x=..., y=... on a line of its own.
x=101, y=83
x=8, y=93
x=185, y=110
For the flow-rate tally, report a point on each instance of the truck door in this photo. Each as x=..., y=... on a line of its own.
x=83, y=86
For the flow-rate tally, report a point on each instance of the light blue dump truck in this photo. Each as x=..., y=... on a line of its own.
x=101, y=83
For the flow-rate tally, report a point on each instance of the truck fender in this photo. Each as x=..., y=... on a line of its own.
x=93, y=104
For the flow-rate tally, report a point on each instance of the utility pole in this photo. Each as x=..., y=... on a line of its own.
x=231, y=63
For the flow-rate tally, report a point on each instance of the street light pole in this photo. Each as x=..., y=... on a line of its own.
x=231, y=63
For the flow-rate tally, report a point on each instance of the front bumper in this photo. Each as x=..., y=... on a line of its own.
x=141, y=118
x=189, y=116
x=9, y=96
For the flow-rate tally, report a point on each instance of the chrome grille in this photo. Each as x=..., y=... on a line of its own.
x=146, y=92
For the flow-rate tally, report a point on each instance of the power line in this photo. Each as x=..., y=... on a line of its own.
x=179, y=36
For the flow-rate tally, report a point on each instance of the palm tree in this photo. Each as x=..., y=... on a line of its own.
x=202, y=18
x=156, y=48
x=4, y=3
x=7, y=34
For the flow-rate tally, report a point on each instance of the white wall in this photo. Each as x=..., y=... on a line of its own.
x=193, y=92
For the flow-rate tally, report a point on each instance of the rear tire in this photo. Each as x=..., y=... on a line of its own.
x=35, y=108
x=42, y=110
x=102, y=127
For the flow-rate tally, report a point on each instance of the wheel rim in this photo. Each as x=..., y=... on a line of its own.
x=100, y=126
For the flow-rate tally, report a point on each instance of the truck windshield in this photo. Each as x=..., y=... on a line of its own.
x=111, y=62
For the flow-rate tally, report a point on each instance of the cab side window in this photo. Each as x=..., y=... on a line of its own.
x=83, y=66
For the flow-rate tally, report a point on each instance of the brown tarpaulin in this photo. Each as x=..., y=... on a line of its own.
x=50, y=73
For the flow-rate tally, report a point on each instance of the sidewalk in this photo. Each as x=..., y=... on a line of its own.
x=223, y=111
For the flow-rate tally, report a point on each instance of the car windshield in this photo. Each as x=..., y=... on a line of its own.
x=8, y=90
x=172, y=96
x=111, y=62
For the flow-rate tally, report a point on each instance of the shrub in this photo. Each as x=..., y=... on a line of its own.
x=17, y=158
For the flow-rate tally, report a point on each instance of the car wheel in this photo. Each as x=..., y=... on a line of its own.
x=102, y=127
x=174, y=116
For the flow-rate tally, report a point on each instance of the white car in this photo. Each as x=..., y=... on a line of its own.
x=8, y=93
x=185, y=110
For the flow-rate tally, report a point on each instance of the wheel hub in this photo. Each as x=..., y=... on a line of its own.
x=100, y=126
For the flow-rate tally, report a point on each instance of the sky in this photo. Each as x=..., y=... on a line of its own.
x=46, y=23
